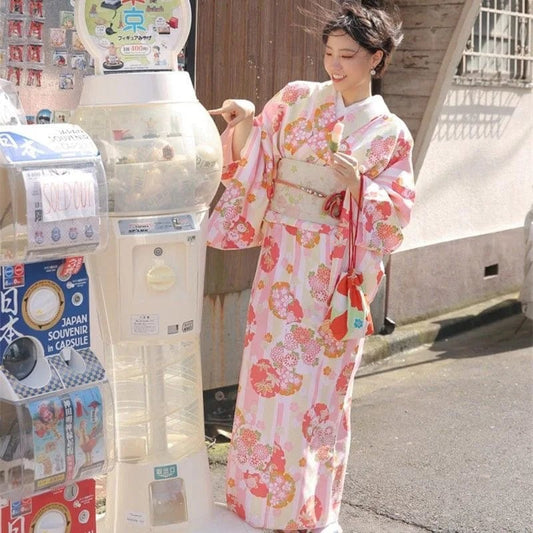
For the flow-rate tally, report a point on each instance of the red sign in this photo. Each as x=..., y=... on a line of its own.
x=70, y=266
x=72, y=507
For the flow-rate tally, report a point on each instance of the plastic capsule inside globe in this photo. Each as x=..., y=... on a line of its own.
x=206, y=157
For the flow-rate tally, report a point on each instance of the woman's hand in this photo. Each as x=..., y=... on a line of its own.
x=235, y=111
x=238, y=114
x=346, y=169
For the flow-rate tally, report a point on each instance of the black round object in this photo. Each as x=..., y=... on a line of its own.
x=20, y=357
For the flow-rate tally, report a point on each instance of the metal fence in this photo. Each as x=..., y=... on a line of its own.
x=498, y=51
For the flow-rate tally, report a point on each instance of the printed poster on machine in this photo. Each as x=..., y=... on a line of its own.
x=68, y=437
x=48, y=301
x=133, y=35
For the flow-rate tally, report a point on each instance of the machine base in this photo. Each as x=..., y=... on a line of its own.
x=132, y=506
x=222, y=521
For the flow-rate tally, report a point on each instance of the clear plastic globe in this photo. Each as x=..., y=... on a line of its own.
x=159, y=156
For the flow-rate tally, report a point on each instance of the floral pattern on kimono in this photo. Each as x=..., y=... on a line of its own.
x=291, y=434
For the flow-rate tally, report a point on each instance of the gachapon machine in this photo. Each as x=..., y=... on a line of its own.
x=56, y=417
x=162, y=156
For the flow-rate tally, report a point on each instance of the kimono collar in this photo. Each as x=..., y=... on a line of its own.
x=360, y=113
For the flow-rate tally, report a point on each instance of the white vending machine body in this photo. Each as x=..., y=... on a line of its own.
x=163, y=159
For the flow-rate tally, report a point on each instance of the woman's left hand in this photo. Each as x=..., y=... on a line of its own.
x=346, y=169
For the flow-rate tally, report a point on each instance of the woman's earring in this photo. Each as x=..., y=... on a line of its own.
x=373, y=72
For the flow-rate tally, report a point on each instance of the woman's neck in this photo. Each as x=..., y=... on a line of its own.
x=346, y=103
x=358, y=94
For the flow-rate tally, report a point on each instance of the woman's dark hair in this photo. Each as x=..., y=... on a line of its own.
x=373, y=24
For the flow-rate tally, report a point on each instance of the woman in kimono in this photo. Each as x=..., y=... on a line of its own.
x=304, y=199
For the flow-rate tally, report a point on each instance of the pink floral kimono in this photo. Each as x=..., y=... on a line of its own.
x=291, y=434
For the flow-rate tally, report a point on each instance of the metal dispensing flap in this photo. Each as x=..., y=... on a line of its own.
x=133, y=35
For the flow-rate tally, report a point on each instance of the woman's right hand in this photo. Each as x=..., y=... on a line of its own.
x=235, y=111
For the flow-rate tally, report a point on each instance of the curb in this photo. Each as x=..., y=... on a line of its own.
x=411, y=336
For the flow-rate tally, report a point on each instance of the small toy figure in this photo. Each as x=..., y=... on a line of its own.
x=59, y=59
x=168, y=152
x=76, y=42
x=67, y=20
x=15, y=53
x=36, y=8
x=181, y=60
x=79, y=62
x=157, y=54
x=58, y=37
x=162, y=27
x=153, y=7
x=16, y=6
x=35, y=30
x=14, y=28
x=111, y=53
x=34, y=77
x=34, y=54
x=151, y=129
x=66, y=81
x=120, y=135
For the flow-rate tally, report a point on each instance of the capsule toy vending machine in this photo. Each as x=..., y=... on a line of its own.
x=162, y=154
x=56, y=419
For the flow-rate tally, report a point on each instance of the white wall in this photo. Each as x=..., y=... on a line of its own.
x=477, y=176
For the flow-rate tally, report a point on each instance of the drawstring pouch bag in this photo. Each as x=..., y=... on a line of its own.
x=349, y=312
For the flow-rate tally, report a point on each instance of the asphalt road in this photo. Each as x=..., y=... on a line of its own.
x=442, y=437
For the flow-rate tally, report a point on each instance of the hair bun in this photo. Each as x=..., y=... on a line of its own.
x=373, y=24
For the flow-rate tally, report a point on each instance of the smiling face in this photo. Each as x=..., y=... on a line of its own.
x=348, y=65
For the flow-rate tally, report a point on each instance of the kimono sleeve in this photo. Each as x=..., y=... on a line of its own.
x=238, y=215
x=388, y=197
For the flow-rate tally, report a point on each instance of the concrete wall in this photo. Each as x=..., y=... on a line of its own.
x=474, y=189
x=422, y=68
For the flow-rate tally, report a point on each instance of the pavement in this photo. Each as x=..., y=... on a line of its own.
x=442, y=432
x=410, y=336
